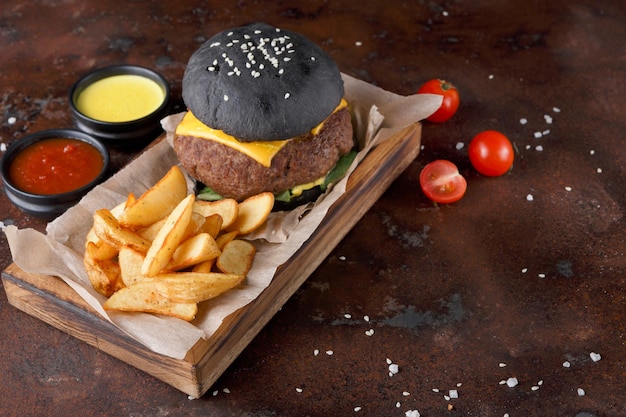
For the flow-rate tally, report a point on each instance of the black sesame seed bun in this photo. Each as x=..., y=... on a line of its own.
x=261, y=83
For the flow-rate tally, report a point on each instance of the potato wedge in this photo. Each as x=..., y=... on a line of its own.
x=168, y=238
x=104, y=275
x=130, y=265
x=100, y=250
x=212, y=224
x=143, y=296
x=226, y=207
x=252, y=213
x=186, y=287
x=224, y=238
x=157, y=202
x=206, y=266
x=107, y=228
x=192, y=251
x=236, y=257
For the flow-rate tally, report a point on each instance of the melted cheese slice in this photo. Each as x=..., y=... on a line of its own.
x=260, y=151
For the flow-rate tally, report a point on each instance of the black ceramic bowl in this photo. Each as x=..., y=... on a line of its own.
x=49, y=205
x=134, y=130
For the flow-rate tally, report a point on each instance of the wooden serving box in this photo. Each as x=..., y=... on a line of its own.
x=54, y=302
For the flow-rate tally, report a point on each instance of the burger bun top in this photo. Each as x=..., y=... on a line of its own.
x=261, y=83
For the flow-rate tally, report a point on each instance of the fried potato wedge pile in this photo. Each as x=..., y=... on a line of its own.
x=165, y=251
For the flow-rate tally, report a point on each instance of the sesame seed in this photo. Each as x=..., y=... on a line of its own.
x=459, y=145
x=541, y=275
x=357, y=409
x=530, y=197
x=534, y=388
x=568, y=188
x=406, y=393
x=358, y=43
x=287, y=95
x=524, y=270
x=329, y=352
x=316, y=352
x=491, y=76
x=599, y=170
x=556, y=109
x=592, y=152
x=502, y=364
x=226, y=390
x=298, y=389
x=523, y=120
x=366, y=318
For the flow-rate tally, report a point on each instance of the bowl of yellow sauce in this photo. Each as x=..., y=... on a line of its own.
x=121, y=104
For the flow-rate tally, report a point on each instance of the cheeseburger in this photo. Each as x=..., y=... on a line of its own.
x=266, y=112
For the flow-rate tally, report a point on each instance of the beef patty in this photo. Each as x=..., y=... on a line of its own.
x=233, y=174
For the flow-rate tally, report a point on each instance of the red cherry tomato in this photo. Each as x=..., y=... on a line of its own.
x=450, y=102
x=442, y=183
x=491, y=153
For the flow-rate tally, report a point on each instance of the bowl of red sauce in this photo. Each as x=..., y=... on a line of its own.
x=47, y=172
x=121, y=105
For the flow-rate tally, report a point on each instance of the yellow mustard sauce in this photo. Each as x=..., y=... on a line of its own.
x=120, y=98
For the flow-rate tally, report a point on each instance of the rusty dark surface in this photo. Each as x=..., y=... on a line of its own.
x=452, y=293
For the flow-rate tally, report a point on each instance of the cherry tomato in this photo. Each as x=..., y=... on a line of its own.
x=491, y=153
x=442, y=183
x=450, y=102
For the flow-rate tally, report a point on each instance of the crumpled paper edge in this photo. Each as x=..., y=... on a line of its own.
x=377, y=114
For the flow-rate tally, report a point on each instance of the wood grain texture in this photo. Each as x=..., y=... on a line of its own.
x=52, y=301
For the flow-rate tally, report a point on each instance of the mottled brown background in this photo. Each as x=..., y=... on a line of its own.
x=444, y=287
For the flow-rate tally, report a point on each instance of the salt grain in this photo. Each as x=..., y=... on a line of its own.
x=568, y=188
x=538, y=135
x=595, y=356
x=523, y=120
x=11, y=120
x=3, y=147
x=566, y=364
x=435, y=389
x=412, y=413
x=369, y=332
x=599, y=170
x=454, y=393
x=556, y=109
x=358, y=43
x=534, y=388
x=539, y=148
x=491, y=76
x=547, y=118
x=226, y=390
x=530, y=197
x=459, y=145
x=592, y=152
x=581, y=392
x=511, y=382
x=393, y=369
x=444, y=13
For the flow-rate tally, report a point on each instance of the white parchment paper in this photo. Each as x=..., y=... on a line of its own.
x=377, y=114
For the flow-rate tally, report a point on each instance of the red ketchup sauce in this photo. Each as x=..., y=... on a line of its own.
x=55, y=166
